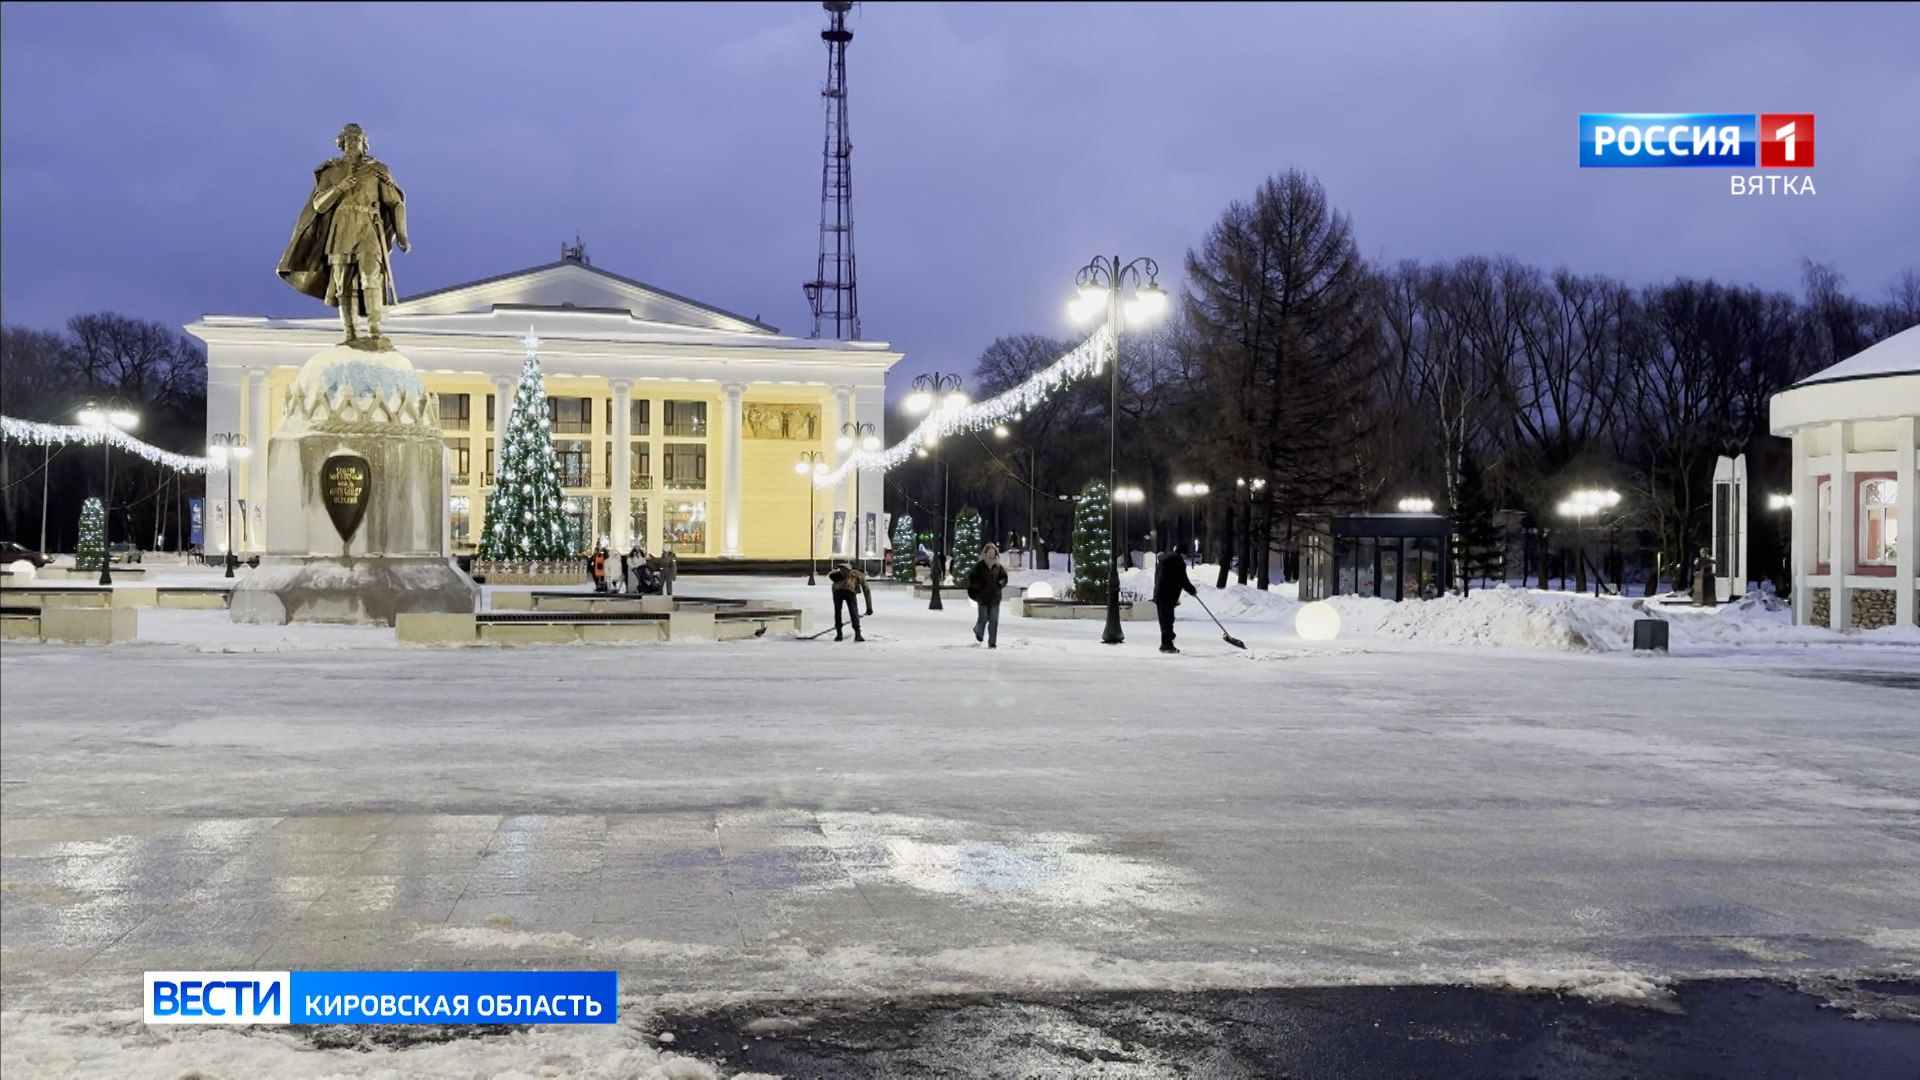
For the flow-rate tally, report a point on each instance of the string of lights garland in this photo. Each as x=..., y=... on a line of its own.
x=37, y=434
x=1085, y=359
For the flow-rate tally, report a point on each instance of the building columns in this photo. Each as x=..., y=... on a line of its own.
x=1805, y=506
x=621, y=430
x=258, y=435
x=1841, y=548
x=843, y=493
x=730, y=475
x=1906, y=514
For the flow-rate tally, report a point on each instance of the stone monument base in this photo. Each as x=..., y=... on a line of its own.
x=354, y=590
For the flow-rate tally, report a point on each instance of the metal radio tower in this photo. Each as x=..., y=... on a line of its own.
x=832, y=292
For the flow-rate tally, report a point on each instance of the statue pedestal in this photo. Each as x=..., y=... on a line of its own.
x=356, y=500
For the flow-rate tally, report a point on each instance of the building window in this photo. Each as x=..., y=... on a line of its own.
x=576, y=466
x=489, y=412
x=687, y=419
x=684, y=465
x=570, y=415
x=459, y=458
x=684, y=527
x=640, y=466
x=487, y=479
x=460, y=519
x=1823, y=523
x=1878, y=527
x=456, y=412
x=639, y=415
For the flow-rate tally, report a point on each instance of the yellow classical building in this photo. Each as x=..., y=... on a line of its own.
x=674, y=422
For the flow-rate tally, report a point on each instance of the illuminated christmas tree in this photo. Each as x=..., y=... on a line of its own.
x=1092, y=544
x=903, y=548
x=524, y=516
x=966, y=541
x=93, y=536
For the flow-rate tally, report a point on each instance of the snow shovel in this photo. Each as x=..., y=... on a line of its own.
x=1229, y=638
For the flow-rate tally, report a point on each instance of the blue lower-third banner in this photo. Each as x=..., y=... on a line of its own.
x=382, y=997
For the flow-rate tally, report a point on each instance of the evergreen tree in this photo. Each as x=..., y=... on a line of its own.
x=966, y=541
x=1476, y=539
x=1092, y=544
x=903, y=548
x=93, y=536
x=524, y=517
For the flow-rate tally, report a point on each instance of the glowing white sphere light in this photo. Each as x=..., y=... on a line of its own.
x=1318, y=621
x=1039, y=590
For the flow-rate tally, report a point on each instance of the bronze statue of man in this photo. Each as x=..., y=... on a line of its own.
x=341, y=248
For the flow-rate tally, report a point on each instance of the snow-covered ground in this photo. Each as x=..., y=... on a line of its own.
x=1488, y=790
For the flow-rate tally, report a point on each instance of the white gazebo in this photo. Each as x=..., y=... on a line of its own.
x=1853, y=428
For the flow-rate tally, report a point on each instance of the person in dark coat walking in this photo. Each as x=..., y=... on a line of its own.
x=847, y=580
x=986, y=584
x=1169, y=581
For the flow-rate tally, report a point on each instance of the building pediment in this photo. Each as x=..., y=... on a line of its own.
x=571, y=285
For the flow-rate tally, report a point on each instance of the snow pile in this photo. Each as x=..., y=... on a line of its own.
x=1583, y=977
x=1500, y=617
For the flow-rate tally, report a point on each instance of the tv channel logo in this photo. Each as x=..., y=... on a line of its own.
x=1696, y=140
x=1786, y=140
x=1666, y=140
x=219, y=997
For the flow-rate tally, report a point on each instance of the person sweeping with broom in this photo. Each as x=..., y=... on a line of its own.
x=1169, y=581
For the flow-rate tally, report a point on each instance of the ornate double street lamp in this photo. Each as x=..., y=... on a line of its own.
x=867, y=437
x=939, y=394
x=107, y=418
x=1101, y=283
x=229, y=445
x=1191, y=492
x=1581, y=505
x=812, y=463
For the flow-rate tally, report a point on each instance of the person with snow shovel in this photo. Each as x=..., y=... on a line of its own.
x=1169, y=581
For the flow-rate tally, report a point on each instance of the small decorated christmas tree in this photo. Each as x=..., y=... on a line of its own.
x=1092, y=544
x=92, y=548
x=524, y=517
x=903, y=548
x=966, y=541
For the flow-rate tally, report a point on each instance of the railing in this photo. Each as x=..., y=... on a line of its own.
x=460, y=479
x=640, y=481
x=455, y=423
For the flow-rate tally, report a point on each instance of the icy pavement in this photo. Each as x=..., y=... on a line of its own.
x=916, y=813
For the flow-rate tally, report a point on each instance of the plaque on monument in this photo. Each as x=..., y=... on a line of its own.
x=345, y=480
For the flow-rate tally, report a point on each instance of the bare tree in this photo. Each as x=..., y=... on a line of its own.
x=1280, y=306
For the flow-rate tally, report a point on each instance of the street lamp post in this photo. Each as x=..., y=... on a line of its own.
x=1101, y=283
x=1126, y=497
x=1191, y=492
x=865, y=436
x=224, y=446
x=812, y=463
x=107, y=418
x=1582, y=504
x=939, y=394
x=1784, y=523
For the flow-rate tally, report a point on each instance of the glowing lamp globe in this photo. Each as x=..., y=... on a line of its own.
x=22, y=570
x=1318, y=621
x=1039, y=590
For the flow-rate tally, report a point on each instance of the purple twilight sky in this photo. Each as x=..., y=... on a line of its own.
x=153, y=157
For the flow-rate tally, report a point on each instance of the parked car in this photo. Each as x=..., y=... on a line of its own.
x=11, y=553
x=124, y=552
